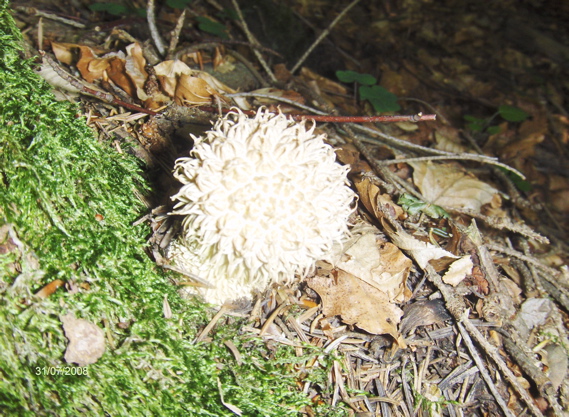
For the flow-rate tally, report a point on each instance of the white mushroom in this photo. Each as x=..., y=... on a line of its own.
x=263, y=200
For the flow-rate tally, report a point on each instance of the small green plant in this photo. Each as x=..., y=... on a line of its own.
x=381, y=99
x=511, y=114
x=506, y=112
x=413, y=205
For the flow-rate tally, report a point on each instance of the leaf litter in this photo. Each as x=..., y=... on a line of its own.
x=404, y=298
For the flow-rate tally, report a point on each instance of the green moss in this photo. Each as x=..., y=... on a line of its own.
x=56, y=180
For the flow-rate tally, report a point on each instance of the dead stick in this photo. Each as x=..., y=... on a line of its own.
x=79, y=85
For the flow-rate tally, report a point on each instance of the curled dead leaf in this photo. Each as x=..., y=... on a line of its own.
x=371, y=197
x=192, y=90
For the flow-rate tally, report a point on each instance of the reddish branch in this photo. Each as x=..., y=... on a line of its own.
x=419, y=117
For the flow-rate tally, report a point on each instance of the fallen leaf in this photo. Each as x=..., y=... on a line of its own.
x=65, y=53
x=380, y=264
x=358, y=303
x=192, y=90
x=134, y=68
x=86, y=341
x=458, y=270
x=422, y=252
x=188, y=86
x=90, y=66
x=445, y=185
x=371, y=197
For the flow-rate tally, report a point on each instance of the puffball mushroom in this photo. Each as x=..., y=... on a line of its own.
x=263, y=199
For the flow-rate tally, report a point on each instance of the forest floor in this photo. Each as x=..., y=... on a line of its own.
x=458, y=306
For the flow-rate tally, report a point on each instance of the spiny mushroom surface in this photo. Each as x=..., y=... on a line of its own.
x=263, y=199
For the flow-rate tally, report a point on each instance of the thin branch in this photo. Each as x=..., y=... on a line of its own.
x=418, y=148
x=153, y=29
x=322, y=36
x=176, y=34
x=254, y=41
x=483, y=371
x=83, y=89
x=502, y=366
x=211, y=324
x=369, y=119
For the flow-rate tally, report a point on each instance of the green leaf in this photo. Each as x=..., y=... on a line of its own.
x=476, y=124
x=211, y=26
x=381, y=99
x=492, y=130
x=413, y=205
x=512, y=113
x=356, y=77
x=178, y=4
x=111, y=8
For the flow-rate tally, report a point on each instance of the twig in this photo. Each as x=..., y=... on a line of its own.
x=483, y=371
x=369, y=119
x=83, y=89
x=465, y=157
x=429, y=105
x=502, y=366
x=153, y=29
x=529, y=259
x=418, y=148
x=175, y=38
x=501, y=224
x=254, y=41
x=51, y=16
x=322, y=36
x=211, y=324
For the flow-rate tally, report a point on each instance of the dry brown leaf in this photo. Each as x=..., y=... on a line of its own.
x=134, y=67
x=86, y=341
x=381, y=265
x=458, y=270
x=214, y=83
x=117, y=73
x=168, y=72
x=448, y=139
x=370, y=196
x=445, y=185
x=192, y=90
x=65, y=53
x=422, y=252
x=91, y=67
x=358, y=303
x=188, y=86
